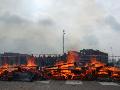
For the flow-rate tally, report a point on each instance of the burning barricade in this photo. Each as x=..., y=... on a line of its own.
x=28, y=72
x=66, y=70
x=93, y=70
x=62, y=70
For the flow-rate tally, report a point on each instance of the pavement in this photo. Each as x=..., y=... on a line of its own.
x=59, y=85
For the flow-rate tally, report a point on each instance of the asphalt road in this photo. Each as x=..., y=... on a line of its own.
x=59, y=85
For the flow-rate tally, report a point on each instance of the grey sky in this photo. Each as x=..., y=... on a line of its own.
x=35, y=26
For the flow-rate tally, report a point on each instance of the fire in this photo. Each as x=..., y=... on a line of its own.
x=30, y=65
x=64, y=69
x=6, y=66
x=72, y=57
x=95, y=63
x=92, y=69
x=113, y=69
x=31, y=62
x=69, y=70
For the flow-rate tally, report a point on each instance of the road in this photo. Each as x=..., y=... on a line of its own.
x=59, y=85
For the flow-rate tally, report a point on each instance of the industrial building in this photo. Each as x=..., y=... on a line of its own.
x=87, y=54
x=81, y=57
x=13, y=58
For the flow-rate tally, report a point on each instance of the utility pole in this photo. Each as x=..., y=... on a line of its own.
x=63, y=41
x=113, y=61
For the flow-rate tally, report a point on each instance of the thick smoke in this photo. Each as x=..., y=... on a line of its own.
x=20, y=35
x=29, y=27
x=113, y=23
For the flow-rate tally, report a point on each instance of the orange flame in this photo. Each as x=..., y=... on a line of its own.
x=66, y=67
x=31, y=62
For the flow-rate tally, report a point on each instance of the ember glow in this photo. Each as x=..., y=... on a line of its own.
x=31, y=62
x=92, y=70
x=68, y=69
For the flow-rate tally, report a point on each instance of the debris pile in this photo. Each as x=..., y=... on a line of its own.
x=69, y=70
